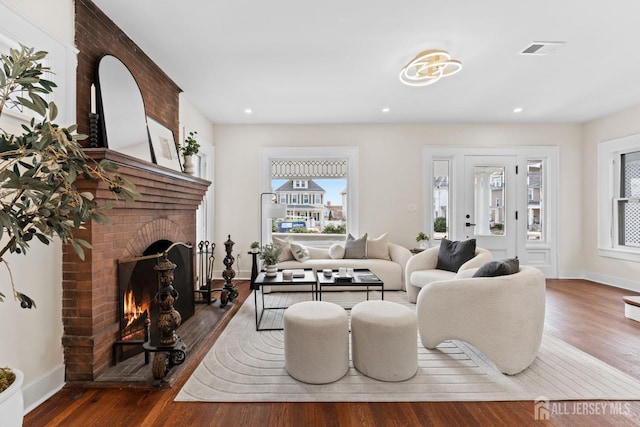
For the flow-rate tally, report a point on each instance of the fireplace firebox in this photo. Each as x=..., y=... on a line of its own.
x=138, y=284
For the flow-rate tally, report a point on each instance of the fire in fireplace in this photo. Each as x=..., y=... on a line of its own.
x=138, y=283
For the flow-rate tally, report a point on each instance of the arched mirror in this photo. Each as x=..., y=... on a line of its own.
x=122, y=109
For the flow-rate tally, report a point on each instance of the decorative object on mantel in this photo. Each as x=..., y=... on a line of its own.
x=423, y=240
x=93, y=120
x=270, y=254
x=229, y=292
x=189, y=149
x=39, y=168
x=165, y=151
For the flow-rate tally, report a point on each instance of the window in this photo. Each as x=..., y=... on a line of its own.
x=627, y=205
x=440, y=199
x=320, y=180
x=535, y=214
x=619, y=198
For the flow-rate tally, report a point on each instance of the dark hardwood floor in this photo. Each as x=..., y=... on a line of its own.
x=587, y=315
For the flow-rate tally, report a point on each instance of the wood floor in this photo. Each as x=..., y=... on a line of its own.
x=588, y=316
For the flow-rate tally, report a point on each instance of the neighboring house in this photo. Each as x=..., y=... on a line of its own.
x=333, y=212
x=305, y=201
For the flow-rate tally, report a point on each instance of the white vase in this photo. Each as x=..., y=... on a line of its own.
x=188, y=165
x=271, y=270
x=424, y=244
x=12, y=403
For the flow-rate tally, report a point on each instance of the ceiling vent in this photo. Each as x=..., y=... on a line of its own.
x=541, y=48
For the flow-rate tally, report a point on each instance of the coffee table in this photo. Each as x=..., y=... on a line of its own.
x=262, y=280
x=362, y=277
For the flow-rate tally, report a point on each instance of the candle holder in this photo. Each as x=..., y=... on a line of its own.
x=93, y=130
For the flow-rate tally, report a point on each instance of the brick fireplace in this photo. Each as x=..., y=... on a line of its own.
x=166, y=210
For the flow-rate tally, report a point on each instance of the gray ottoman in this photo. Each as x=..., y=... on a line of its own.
x=384, y=340
x=316, y=342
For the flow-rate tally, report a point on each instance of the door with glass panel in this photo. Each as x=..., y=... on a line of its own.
x=490, y=204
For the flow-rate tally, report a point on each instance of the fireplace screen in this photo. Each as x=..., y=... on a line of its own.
x=138, y=284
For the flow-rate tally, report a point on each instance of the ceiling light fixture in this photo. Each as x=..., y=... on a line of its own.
x=248, y=111
x=386, y=110
x=428, y=67
x=517, y=110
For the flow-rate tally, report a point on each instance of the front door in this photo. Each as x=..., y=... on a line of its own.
x=490, y=204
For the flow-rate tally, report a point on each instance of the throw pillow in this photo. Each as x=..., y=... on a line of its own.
x=286, y=254
x=300, y=252
x=452, y=255
x=498, y=268
x=378, y=248
x=336, y=251
x=356, y=248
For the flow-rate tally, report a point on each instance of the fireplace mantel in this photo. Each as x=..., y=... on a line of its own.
x=165, y=210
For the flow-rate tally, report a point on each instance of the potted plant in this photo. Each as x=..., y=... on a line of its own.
x=189, y=149
x=255, y=247
x=270, y=254
x=39, y=168
x=11, y=400
x=423, y=240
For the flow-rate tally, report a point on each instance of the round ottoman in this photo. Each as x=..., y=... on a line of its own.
x=316, y=342
x=384, y=340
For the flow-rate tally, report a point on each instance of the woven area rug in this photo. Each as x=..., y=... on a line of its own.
x=248, y=366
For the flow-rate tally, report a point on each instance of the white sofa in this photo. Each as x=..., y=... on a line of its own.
x=391, y=272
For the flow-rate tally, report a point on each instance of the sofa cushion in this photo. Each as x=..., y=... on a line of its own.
x=419, y=278
x=300, y=252
x=286, y=254
x=355, y=248
x=336, y=251
x=498, y=268
x=378, y=248
x=452, y=255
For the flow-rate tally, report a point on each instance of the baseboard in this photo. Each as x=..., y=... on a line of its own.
x=616, y=282
x=43, y=388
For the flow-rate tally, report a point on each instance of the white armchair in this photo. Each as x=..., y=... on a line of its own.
x=421, y=269
x=502, y=316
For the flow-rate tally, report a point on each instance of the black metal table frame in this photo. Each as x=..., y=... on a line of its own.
x=261, y=281
x=326, y=282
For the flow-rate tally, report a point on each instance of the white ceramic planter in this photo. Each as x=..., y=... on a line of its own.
x=11, y=403
x=271, y=270
x=188, y=165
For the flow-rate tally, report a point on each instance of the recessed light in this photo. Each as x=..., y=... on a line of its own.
x=386, y=109
x=517, y=110
x=248, y=111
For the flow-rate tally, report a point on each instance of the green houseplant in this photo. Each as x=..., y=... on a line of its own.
x=270, y=254
x=422, y=239
x=189, y=149
x=39, y=168
x=255, y=247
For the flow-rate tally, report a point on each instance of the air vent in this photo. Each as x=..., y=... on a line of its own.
x=541, y=48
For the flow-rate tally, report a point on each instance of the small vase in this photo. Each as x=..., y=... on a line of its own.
x=424, y=244
x=271, y=270
x=188, y=165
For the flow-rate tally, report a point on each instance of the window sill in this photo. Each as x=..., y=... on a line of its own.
x=623, y=254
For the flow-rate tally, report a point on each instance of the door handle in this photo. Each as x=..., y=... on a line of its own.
x=468, y=224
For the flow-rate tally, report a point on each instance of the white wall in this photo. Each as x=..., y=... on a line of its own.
x=31, y=339
x=390, y=162
x=602, y=269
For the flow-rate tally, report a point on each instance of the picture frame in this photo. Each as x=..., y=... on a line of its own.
x=164, y=146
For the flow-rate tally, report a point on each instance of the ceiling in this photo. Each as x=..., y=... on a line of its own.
x=338, y=61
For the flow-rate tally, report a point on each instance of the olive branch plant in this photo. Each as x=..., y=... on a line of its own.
x=39, y=168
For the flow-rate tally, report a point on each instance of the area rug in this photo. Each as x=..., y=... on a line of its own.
x=248, y=366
